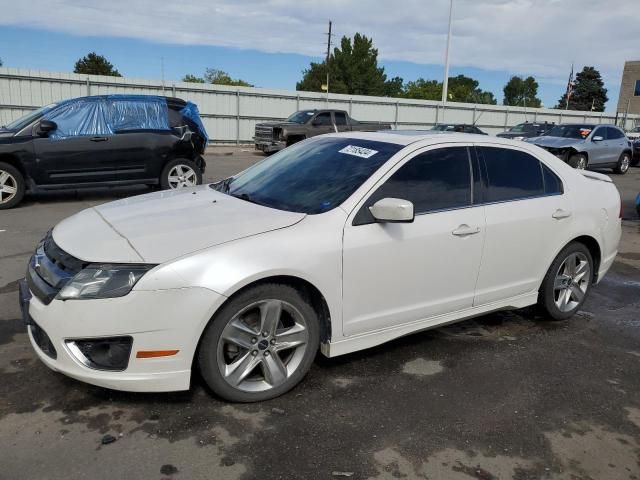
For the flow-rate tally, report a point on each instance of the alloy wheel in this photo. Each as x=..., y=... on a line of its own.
x=571, y=282
x=262, y=345
x=8, y=187
x=624, y=163
x=182, y=176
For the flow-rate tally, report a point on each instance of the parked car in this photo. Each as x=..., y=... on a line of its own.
x=636, y=152
x=588, y=146
x=273, y=136
x=106, y=140
x=340, y=242
x=457, y=127
x=634, y=133
x=526, y=130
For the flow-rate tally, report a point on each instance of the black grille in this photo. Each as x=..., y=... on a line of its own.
x=50, y=268
x=264, y=133
x=43, y=341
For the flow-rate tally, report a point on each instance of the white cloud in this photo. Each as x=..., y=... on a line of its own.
x=539, y=37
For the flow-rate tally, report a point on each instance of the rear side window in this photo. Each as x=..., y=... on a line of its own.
x=511, y=175
x=341, y=118
x=552, y=184
x=435, y=180
x=614, y=133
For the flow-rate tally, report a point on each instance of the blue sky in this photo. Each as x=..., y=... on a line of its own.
x=270, y=42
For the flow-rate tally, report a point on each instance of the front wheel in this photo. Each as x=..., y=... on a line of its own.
x=578, y=161
x=623, y=164
x=180, y=173
x=260, y=344
x=12, y=186
x=567, y=282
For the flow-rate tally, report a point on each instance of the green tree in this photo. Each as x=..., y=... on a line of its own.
x=193, y=79
x=353, y=68
x=460, y=89
x=94, y=64
x=521, y=92
x=588, y=92
x=220, y=77
x=0, y=62
x=422, y=89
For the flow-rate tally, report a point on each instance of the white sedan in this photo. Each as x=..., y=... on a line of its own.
x=337, y=243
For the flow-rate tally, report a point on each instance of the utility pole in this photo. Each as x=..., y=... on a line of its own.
x=445, y=81
x=327, y=61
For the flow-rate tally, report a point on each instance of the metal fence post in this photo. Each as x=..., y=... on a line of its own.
x=237, y=117
x=297, y=102
x=396, y=115
x=88, y=87
x=173, y=90
x=437, y=113
x=350, y=105
x=506, y=118
x=473, y=118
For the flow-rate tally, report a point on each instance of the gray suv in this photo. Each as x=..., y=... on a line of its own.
x=588, y=146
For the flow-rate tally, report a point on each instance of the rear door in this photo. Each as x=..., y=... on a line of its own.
x=341, y=121
x=528, y=218
x=617, y=142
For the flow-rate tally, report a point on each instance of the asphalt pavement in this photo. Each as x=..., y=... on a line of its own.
x=506, y=395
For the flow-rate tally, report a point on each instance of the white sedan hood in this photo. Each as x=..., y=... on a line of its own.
x=158, y=227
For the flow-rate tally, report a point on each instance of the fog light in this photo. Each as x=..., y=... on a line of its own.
x=102, y=353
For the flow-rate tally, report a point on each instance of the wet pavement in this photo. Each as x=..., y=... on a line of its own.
x=506, y=395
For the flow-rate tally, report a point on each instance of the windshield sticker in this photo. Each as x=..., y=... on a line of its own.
x=358, y=151
x=585, y=132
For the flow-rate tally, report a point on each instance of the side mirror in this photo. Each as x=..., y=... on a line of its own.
x=393, y=210
x=315, y=122
x=46, y=126
x=597, y=138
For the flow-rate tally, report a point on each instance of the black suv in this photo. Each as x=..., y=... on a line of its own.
x=107, y=140
x=527, y=130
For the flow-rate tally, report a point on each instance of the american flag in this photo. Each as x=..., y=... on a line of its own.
x=570, y=85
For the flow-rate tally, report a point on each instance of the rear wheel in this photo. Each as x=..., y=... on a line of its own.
x=180, y=173
x=260, y=345
x=623, y=164
x=567, y=282
x=578, y=161
x=12, y=186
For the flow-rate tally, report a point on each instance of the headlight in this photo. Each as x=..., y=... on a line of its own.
x=103, y=281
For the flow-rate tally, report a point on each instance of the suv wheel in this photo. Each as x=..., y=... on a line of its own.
x=623, y=164
x=260, y=345
x=578, y=161
x=180, y=173
x=11, y=186
x=567, y=282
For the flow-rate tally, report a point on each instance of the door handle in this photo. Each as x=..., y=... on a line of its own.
x=465, y=230
x=99, y=139
x=560, y=214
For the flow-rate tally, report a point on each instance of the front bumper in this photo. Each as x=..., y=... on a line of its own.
x=156, y=320
x=267, y=147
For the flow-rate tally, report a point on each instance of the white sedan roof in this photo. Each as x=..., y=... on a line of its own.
x=406, y=137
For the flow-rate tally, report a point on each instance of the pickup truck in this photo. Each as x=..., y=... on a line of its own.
x=274, y=136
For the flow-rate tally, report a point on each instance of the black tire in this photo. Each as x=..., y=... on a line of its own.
x=211, y=350
x=623, y=163
x=167, y=184
x=10, y=178
x=579, y=161
x=549, y=295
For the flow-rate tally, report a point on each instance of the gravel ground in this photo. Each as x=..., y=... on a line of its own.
x=506, y=395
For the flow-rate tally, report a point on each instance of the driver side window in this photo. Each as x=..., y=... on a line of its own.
x=433, y=181
x=323, y=119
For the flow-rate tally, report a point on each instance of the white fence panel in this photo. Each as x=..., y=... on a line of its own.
x=230, y=113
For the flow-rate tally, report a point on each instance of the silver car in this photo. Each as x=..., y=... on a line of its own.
x=588, y=146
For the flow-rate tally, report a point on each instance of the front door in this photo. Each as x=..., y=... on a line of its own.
x=75, y=159
x=397, y=273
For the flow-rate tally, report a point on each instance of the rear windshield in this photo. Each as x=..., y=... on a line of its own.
x=311, y=177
